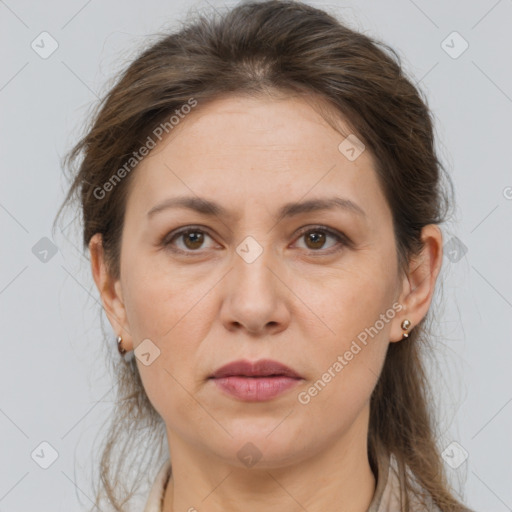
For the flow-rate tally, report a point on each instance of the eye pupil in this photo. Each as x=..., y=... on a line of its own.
x=318, y=239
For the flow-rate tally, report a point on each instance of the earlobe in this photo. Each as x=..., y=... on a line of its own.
x=419, y=284
x=110, y=291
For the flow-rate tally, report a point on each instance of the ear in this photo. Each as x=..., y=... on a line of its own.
x=419, y=284
x=110, y=291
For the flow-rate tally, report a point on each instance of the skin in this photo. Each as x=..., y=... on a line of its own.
x=300, y=302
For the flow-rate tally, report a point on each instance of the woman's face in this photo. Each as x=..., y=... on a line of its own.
x=249, y=284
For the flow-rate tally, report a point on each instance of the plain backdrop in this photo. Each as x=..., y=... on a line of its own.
x=54, y=392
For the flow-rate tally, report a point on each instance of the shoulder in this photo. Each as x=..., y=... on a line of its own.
x=390, y=489
x=419, y=499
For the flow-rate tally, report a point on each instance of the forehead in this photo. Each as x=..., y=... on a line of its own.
x=264, y=150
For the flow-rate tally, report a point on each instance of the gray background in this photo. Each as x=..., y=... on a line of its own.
x=54, y=385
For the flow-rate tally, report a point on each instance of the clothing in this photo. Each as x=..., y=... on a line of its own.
x=156, y=494
x=385, y=498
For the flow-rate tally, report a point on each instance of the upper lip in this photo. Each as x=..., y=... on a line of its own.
x=261, y=368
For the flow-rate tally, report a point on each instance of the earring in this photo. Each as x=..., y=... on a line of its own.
x=122, y=351
x=405, y=325
x=127, y=355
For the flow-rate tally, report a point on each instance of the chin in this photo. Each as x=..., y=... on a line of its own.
x=261, y=446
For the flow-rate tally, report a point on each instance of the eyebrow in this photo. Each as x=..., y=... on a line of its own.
x=206, y=207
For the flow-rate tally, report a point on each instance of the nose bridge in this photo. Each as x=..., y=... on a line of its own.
x=252, y=259
x=255, y=296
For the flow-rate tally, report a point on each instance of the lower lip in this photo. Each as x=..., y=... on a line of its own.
x=255, y=389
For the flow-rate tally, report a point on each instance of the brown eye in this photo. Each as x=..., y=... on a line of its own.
x=187, y=240
x=193, y=239
x=316, y=238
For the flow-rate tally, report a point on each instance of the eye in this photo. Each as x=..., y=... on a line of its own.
x=316, y=237
x=192, y=237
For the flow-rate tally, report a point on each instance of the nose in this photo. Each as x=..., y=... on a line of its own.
x=256, y=298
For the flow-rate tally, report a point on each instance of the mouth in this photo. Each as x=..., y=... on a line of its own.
x=262, y=368
x=255, y=382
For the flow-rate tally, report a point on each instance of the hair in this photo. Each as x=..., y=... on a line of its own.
x=267, y=48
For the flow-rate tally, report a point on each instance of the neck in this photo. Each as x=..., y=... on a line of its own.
x=336, y=479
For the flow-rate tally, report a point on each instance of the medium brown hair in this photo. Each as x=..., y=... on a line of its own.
x=258, y=48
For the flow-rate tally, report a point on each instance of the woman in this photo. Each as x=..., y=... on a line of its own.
x=261, y=199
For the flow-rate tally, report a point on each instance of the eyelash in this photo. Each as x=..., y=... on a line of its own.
x=341, y=238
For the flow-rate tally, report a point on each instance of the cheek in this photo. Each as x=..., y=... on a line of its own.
x=357, y=311
x=159, y=301
x=167, y=315
x=352, y=304
x=347, y=370
x=166, y=308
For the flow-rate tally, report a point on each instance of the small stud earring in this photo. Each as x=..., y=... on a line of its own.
x=405, y=325
x=122, y=351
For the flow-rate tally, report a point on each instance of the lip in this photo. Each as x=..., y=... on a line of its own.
x=261, y=368
x=255, y=382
